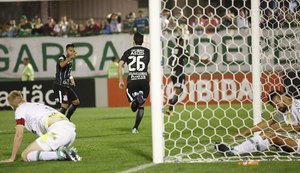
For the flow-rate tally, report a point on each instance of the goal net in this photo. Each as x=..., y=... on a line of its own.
x=216, y=102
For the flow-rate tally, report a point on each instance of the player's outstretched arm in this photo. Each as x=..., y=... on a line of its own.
x=120, y=72
x=17, y=143
x=258, y=127
x=288, y=128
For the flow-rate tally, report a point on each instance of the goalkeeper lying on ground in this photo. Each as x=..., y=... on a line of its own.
x=285, y=137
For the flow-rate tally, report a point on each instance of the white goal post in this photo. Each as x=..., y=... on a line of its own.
x=156, y=82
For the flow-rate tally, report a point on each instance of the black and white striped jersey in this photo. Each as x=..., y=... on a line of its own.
x=63, y=74
x=178, y=60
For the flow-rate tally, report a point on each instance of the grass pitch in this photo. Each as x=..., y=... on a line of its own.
x=105, y=143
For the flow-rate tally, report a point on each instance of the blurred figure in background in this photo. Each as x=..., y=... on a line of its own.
x=73, y=28
x=210, y=23
x=37, y=26
x=242, y=19
x=28, y=72
x=49, y=27
x=128, y=23
x=13, y=28
x=141, y=23
x=114, y=23
x=112, y=69
x=91, y=27
x=25, y=27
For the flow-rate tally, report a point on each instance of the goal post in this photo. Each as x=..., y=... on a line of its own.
x=256, y=70
x=156, y=75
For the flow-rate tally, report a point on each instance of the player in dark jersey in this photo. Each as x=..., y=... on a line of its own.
x=63, y=82
x=137, y=59
x=177, y=62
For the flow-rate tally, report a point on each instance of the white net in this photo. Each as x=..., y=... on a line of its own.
x=215, y=103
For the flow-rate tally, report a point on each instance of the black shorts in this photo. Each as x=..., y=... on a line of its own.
x=64, y=94
x=133, y=88
x=178, y=81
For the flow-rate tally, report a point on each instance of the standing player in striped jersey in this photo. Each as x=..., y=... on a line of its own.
x=63, y=82
x=137, y=59
x=177, y=62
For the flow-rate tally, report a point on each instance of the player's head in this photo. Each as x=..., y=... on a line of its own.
x=70, y=49
x=25, y=60
x=180, y=41
x=14, y=98
x=279, y=100
x=138, y=38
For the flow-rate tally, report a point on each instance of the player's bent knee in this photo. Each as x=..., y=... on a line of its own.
x=76, y=102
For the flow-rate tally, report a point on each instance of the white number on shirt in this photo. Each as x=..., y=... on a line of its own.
x=140, y=65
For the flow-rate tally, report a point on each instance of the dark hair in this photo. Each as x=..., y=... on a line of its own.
x=138, y=38
x=69, y=45
x=273, y=94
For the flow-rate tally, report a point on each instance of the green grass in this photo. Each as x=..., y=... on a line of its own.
x=105, y=142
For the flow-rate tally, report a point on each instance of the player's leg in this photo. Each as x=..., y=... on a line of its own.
x=60, y=98
x=253, y=144
x=34, y=152
x=178, y=86
x=261, y=143
x=144, y=88
x=51, y=145
x=75, y=102
x=132, y=93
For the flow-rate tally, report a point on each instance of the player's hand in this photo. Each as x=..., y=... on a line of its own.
x=73, y=56
x=121, y=84
x=7, y=161
x=72, y=81
x=206, y=61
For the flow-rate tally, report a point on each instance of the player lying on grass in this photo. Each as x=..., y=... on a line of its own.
x=55, y=131
x=272, y=132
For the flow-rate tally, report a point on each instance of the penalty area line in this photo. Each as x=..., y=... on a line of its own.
x=138, y=168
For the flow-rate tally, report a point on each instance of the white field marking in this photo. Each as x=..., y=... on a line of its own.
x=138, y=168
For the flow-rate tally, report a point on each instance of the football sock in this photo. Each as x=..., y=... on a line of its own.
x=172, y=102
x=134, y=105
x=254, y=144
x=62, y=110
x=139, y=117
x=71, y=110
x=42, y=155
